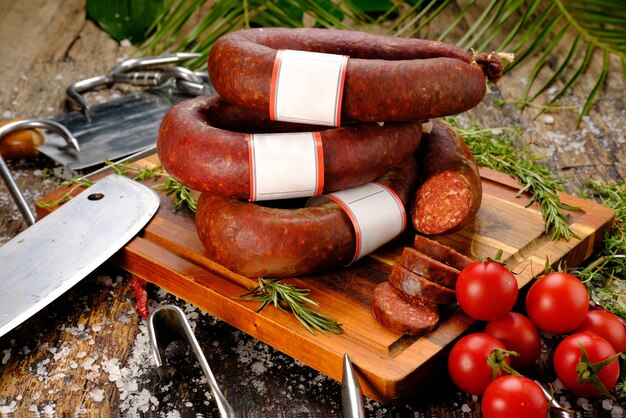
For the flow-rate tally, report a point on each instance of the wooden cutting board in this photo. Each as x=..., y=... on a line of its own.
x=391, y=368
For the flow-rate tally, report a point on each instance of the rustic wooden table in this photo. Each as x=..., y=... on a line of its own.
x=87, y=353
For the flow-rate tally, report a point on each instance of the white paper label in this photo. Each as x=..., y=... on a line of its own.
x=376, y=212
x=307, y=87
x=285, y=165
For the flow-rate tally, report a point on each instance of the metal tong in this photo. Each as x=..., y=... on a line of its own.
x=351, y=395
x=146, y=71
x=28, y=215
x=556, y=410
x=168, y=323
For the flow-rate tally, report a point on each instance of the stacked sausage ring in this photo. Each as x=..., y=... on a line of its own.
x=401, y=82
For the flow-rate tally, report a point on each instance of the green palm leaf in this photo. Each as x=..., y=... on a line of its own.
x=569, y=32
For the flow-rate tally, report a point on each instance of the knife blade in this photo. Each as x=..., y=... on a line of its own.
x=48, y=258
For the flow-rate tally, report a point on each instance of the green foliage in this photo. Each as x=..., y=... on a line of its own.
x=125, y=19
x=605, y=277
x=289, y=298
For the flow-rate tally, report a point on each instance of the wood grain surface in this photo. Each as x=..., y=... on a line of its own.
x=85, y=355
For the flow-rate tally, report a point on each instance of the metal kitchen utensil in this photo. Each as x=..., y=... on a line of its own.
x=128, y=124
x=133, y=71
x=556, y=410
x=4, y=170
x=168, y=323
x=51, y=256
x=351, y=395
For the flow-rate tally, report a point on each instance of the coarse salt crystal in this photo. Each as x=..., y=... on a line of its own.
x=549, y=119
x=6, y=356
x=466, y=408
x=97, y=395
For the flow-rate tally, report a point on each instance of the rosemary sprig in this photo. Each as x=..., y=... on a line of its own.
x=181, y=194
x=497, y=149
x=289, y=298
x=75, y=183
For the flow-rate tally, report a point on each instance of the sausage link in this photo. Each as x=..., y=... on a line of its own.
x=451, y=191
x=255, y=240
x=201, y=144
x=387, y=78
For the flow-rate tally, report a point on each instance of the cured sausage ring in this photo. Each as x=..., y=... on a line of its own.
x=201, y=144
x=255, y=240
x=386, y=78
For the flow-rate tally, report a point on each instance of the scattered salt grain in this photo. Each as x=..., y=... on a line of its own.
x=8, y=409
x=125, y=43
x=6, y=355
x=466, y=408
x=584, y=404
x=549, y=119
x=607, y=404
x=97, y=395
x=617, y=412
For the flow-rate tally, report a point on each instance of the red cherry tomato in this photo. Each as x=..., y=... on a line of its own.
x=568, y=355
x=514, y=397
x=486, y=290
x=557, y=303
x=518, y=334
x=467, y=363
x=606, y=325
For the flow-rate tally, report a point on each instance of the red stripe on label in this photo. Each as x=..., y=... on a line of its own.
x=399, y=202
x=344, y=66
x=355, y=223
x=275, y=71
x=319, y=151
x=251, y=165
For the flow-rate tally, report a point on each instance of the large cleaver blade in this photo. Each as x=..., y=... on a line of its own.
x=48, y=258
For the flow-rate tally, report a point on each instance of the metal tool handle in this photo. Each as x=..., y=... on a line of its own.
x=173, y=318
x=21, y=203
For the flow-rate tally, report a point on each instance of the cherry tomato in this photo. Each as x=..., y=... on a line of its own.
x=606, y=325
x=486, y=290
x=518, y=334
x=568, y=355
x=467, y=363
x=557, y=303
x=514, y=397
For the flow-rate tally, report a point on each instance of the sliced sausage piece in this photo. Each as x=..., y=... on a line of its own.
x=406, y=316
x=387, y=78
x=451, y=190
x=415, y=286
x=202, y=143
x=429, y=268
x=255, y=240
x=440, y=252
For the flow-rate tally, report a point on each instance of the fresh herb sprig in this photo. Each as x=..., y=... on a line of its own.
x=181, y=194
x=75, y=183
x=289, y=298
x=499, y=150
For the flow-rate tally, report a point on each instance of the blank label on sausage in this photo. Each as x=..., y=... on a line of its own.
x=307, y=87
x=376, y=212
x=285, y=165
